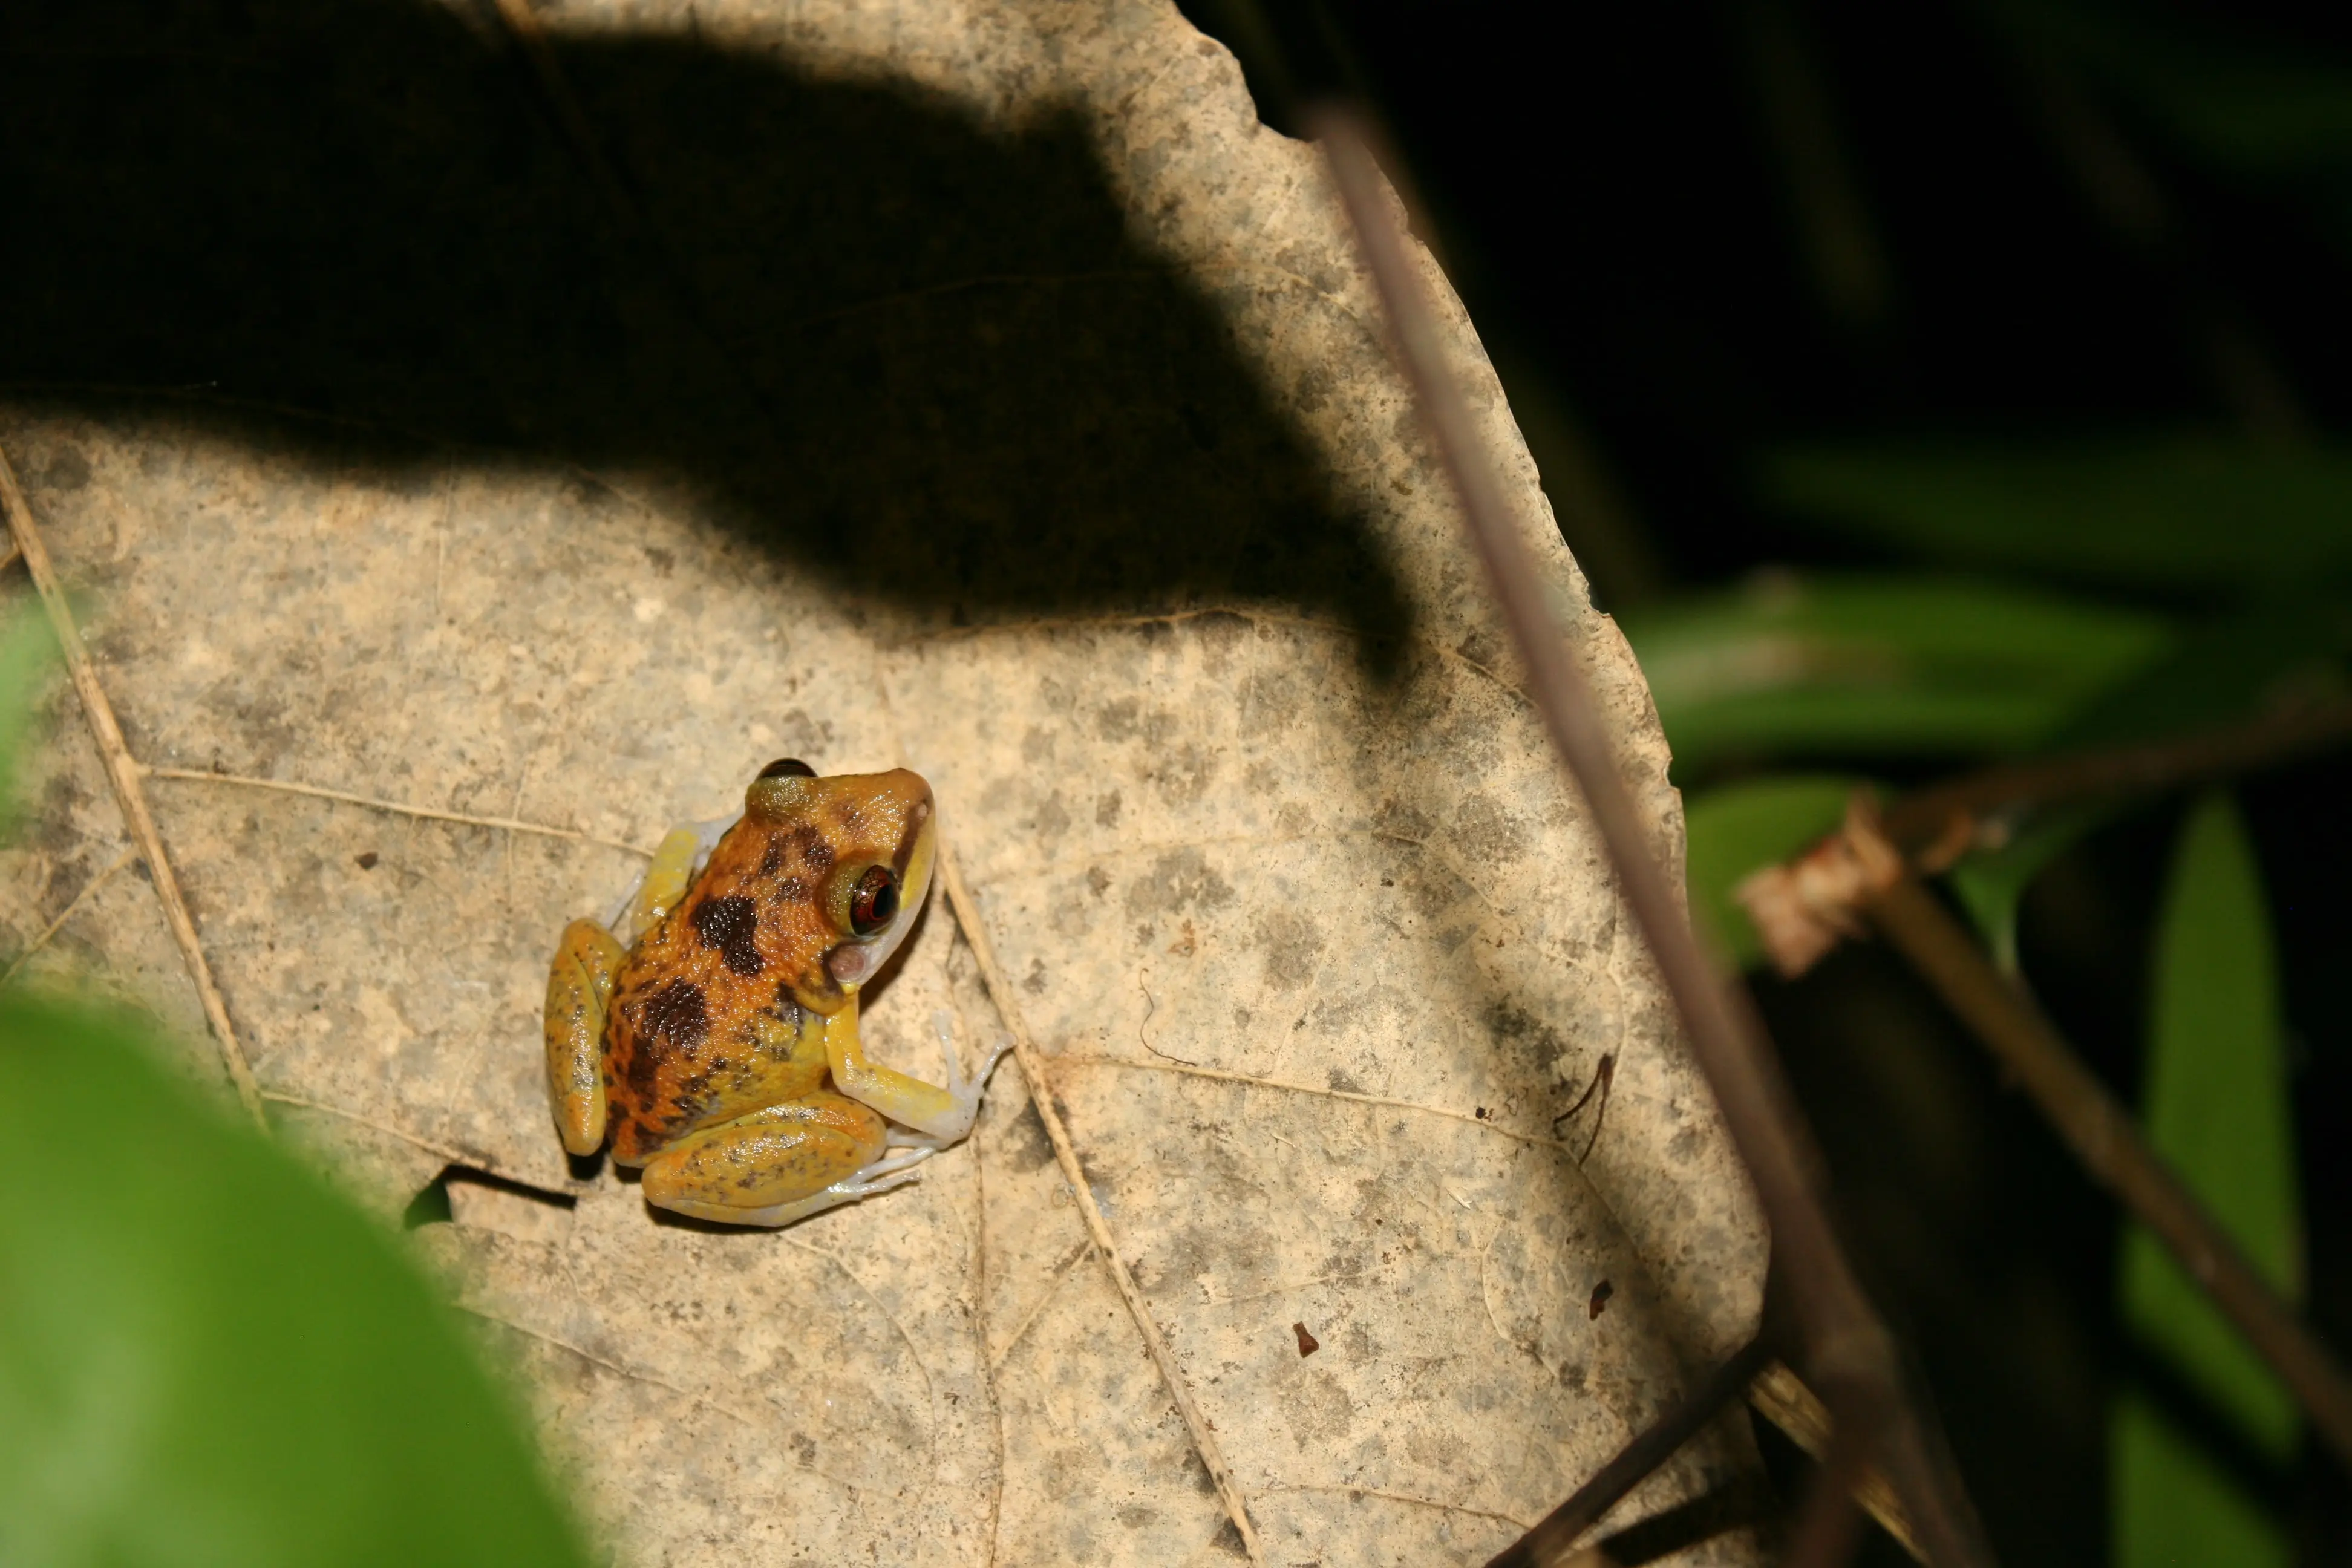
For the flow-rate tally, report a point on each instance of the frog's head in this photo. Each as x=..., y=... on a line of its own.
x=877, y=834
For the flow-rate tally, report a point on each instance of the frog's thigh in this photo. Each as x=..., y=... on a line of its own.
x=770, y=1157
x=579, y=985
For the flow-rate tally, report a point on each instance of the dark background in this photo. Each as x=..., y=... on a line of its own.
x=1606, y=190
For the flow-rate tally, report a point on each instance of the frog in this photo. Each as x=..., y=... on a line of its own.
x=709, y=1026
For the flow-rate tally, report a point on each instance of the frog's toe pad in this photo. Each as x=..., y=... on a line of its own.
x=964, y=1089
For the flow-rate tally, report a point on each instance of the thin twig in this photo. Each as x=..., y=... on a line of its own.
x=2106, y=1138
x=1736, y=1504
x=73, y=906
x=472, y=1161
x=1041, y=1095
x=1849, y=1350
x=1927, y=818
x=1218, y=1075
x=1547, y=1543
x=123, y=773
x=1803, y=908
x=285, y=786
x=1781, y=1397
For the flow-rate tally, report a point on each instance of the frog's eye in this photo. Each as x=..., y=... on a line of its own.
x=788, y=768
x=874, y=903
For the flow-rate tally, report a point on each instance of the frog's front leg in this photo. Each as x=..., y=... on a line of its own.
x=780, y=1163
x=579, y=987
x=944, y=1115
x=666, y=880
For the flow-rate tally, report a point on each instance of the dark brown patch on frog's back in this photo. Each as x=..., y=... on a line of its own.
x=731, y=925
x=688, y=1006
x=678, y=1015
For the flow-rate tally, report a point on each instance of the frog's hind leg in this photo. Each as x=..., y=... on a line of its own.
x=780, y=1163
x=579, y=987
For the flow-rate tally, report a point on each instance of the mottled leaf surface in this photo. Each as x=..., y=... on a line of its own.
x=980, y=387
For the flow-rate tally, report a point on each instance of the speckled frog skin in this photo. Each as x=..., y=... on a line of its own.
x=712, y=1025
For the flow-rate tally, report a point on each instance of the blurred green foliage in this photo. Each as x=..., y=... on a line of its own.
x=208, y=1357
x=1991, y=883
x=1848, y=666
x=2182, y=511
x=2216, y=1104
x=1736, y=830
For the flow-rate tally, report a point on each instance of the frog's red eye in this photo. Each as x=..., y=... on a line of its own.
x=874, y=903
x=788, y=768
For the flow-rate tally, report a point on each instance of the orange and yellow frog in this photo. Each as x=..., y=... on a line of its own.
x=712, y=1025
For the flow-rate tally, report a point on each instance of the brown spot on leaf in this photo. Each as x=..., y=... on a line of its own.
x=1180, y=880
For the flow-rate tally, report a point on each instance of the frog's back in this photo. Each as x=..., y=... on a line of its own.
x=707, y=1019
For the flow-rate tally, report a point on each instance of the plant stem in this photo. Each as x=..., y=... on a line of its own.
x=1781, y=1398
x=1548, y=1543
x=2106, y=1139
x=123, y=772
x=1925, y=817
x=1849, y=1350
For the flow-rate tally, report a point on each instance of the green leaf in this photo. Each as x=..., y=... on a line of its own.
x=1869, y=665
x=1991, y=883
x=2166, y=510
x=2216, y=1105
x=2226, y=671
x=2173, y=1505
x=208, y=1357
x=1743, y=828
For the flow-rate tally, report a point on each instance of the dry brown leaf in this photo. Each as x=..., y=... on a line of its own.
x=1130, y=545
